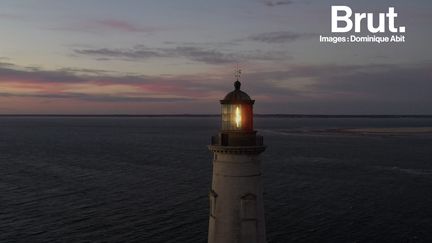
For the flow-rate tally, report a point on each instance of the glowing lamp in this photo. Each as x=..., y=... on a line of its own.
x=237, y=111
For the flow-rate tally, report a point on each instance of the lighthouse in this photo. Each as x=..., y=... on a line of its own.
x=236, y=195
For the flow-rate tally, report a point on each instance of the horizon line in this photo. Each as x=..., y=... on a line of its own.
x=281, y=115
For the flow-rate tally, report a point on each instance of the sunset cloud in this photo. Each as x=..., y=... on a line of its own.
x=96, y=97
x=9, y=16
x=280, y=37
x=405, y=85
x=272, y=3
x=122, y=25
x=107, y=25
x=69, y=83
x=192, y=53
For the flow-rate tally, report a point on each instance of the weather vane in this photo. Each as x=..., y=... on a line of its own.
x=237, y=72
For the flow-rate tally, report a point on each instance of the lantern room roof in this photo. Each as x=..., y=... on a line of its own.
x=237, y=95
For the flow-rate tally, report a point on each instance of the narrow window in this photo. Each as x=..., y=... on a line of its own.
x=248, y=218
x=248, y=206
x=212, y=199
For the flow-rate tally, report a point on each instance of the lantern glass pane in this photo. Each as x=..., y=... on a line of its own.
x=232, y=117
x=237, y=117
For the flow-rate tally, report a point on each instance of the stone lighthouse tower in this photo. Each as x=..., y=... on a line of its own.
x=236, y=195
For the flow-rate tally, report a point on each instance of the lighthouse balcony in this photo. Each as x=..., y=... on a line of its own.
x=237, y=139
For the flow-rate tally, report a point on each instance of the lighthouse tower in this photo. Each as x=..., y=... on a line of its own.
x=236, y=195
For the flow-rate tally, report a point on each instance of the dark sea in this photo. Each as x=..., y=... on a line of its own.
x=146, y=179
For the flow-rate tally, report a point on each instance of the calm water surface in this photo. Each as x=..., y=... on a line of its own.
x=147, y=179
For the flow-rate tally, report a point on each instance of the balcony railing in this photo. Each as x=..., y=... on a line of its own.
x=237, y=139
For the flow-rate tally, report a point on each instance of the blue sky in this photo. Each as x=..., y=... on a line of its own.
x=153, y=57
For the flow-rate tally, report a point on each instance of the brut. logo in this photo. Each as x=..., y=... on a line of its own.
x=343, y=14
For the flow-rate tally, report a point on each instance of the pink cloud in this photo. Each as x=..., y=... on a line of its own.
x=55, y=84
x=123, y=26
x=9, y=16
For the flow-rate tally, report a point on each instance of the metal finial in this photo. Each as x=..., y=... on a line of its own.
x=237, y=73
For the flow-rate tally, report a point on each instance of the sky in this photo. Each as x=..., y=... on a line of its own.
x=179, y=57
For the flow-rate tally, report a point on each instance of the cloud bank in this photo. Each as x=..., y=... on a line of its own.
x=344, y=89
x=192, y=53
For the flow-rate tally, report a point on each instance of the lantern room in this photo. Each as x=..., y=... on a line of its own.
x=237, y=111
x=237, y=121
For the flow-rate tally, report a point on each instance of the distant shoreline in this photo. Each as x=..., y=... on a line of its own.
x=217, y=115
